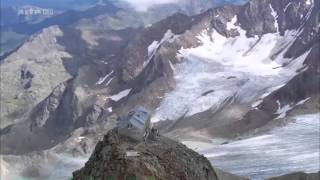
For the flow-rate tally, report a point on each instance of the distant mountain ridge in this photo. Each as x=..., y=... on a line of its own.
x=71, y=11
x=64, y=19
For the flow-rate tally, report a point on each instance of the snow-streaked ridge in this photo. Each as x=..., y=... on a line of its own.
x=153, y=47
x=102, y=79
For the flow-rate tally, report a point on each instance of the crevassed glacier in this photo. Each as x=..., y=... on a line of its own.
x=241, y=67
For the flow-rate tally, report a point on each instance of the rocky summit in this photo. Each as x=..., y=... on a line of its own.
x=122, y=154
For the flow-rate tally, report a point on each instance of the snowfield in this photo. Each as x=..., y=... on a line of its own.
x=292, y=148
x=240, y=67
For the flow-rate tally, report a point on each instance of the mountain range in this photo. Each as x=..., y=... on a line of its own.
x=238, y=78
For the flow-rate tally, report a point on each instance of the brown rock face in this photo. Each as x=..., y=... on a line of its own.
x=161, y=159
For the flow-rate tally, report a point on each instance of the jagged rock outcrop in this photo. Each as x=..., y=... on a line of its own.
x=123, y=154
x=256, y=17
x=47, y=107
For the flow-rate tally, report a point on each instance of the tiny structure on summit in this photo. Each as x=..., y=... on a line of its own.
x=139, y=119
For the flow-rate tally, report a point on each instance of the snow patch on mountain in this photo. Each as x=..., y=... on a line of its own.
x=171, y=65
x=102, y=79
x=153, y=47
x=107, y=84
x=120, y=95
x=256, y=64
x=257, y=103
x=283, y=110
x=275, y=15
x=287, y=6
x=309, y=2
x=303, y=101
x=231, y=24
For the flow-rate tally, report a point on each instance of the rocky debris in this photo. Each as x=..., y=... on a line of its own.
x=161, y=159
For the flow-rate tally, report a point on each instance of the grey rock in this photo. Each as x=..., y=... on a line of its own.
x=162, y=159
x=42, y=113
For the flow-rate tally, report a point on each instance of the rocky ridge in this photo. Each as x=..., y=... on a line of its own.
x=160, y=158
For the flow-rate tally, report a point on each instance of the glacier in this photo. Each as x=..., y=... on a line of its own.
x=240, y=67
x=294, y=147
